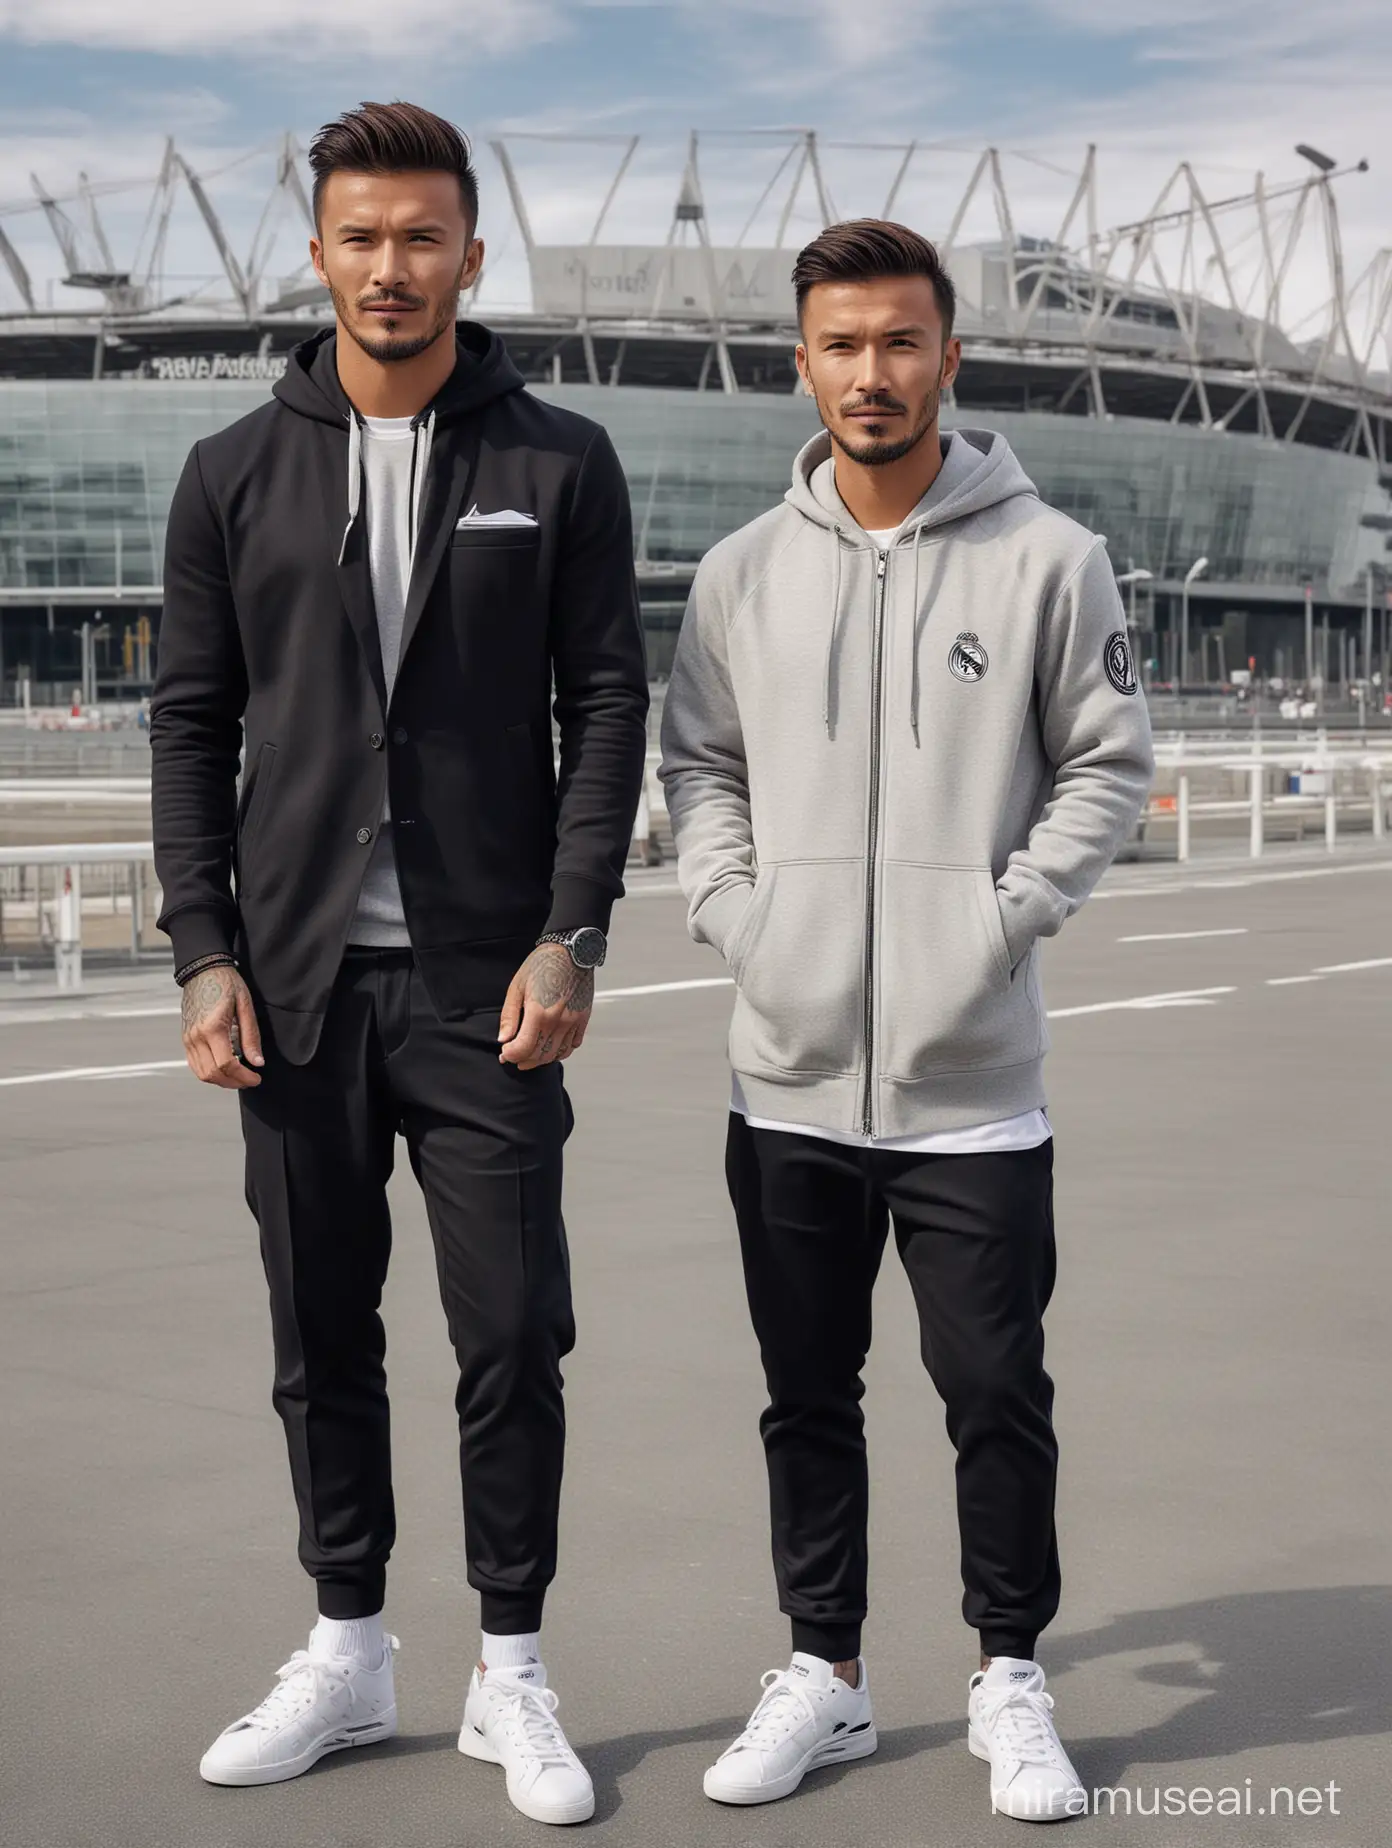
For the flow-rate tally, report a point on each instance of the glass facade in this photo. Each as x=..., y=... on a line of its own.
x=87, y=470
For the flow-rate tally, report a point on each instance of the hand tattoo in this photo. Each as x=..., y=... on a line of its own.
x=552, y=980
x=202, y=995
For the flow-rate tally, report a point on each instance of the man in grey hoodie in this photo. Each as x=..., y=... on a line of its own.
x=902, y=741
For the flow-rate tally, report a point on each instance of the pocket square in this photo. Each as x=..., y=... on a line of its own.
x=508, y=517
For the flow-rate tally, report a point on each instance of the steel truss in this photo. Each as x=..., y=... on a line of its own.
x=1085, y=291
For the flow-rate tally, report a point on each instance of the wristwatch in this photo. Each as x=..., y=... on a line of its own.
x=587, y=946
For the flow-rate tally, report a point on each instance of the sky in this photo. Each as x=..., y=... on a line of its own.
x=1229, y=85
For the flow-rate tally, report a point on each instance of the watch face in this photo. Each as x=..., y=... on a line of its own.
x=588, y=948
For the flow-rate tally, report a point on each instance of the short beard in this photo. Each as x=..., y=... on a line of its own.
x=879, y=452
x=389, y=352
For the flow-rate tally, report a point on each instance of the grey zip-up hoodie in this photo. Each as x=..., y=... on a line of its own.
x=889, y=776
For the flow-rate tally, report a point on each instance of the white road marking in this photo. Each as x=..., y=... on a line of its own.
x=1152, y=889
x=665, y=988
x=1177, y=936
x=100, y=1071
x=1184, y=997
x=49, y=1017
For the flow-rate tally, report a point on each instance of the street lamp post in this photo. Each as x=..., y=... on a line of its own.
x=1136, y=575
x=1368, y=626
x=1197, y=569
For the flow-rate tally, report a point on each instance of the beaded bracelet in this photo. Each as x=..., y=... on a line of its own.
x=219, y=959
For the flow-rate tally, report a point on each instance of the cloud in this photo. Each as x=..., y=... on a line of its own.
x=1231, y=85
x=309, y=29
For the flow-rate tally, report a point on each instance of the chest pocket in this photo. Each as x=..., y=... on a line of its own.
x=485, y=539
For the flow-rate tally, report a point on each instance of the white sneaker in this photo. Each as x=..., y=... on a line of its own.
x=510, y=1720
x=806, y=1718
x=1010, y=1723
x=317, y=1706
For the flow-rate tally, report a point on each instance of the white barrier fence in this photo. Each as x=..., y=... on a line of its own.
x=1340, y=781
x=69, y=858
x=1324, y=779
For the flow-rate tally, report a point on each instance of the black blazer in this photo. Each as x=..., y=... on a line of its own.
x=267, y=631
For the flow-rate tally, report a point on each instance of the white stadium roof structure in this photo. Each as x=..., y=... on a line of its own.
x=1180, y=316
x=1208, y=384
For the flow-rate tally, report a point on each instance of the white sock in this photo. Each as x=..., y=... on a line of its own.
x=510, y=1651
x=355, y=1639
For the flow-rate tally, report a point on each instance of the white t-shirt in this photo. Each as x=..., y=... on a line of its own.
x=388, y=444
x=1018, y=1132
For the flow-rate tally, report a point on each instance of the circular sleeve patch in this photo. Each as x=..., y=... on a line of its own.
x=1121, y=668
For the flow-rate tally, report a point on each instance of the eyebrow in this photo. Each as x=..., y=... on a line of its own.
x=425, y=225
x=890, y=333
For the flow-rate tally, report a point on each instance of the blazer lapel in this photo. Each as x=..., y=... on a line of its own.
x=451, y=475
x=354, y=574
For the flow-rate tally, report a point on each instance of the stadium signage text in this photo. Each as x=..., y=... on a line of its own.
x=256, y=366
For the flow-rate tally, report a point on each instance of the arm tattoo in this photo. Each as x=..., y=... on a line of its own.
x=553, y=980
x=201, y=996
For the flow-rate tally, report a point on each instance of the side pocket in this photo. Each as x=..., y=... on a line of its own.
x=253, y=803
x=742, y=939
x=995, y=927
x=798, y=969
x=947, y=999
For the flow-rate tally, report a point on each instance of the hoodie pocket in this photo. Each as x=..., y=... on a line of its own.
x=947, y=998
x=797, y=958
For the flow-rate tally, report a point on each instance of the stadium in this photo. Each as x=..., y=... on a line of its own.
x=1237, y=454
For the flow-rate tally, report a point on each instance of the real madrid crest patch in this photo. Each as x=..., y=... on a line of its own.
x=1116, y=658
x=967, y=659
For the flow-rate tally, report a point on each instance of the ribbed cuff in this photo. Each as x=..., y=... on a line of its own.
x=504, y=1614
x=718, y=918
x=346, y=1601
x=1027, y=913
x=829, y=1642
x=1018, y=1644
x=200, y=930
x=576, y=903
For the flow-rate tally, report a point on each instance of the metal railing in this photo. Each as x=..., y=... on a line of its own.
x=58, y=919
x=1328, y=783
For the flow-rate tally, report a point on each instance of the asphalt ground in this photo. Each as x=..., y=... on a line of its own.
x=1219, y=1340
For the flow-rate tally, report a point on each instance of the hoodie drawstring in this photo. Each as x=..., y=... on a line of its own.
x=914, y=631
x=354, y=479
x=423, y=437
x=833, y=627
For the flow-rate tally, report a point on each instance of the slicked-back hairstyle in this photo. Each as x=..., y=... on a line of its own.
x=864, y=250
x=393, y=138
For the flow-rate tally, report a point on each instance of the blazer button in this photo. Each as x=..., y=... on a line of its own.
x=376, y=741
x=364, y=836
x=399, y=735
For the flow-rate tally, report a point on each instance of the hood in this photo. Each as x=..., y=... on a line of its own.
x=979, y=470
x=310, y=386
x=483, y=371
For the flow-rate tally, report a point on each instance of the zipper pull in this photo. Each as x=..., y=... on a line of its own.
x=880, y=567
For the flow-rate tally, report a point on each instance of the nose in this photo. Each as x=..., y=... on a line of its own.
x=389, y=271
x=869, y=373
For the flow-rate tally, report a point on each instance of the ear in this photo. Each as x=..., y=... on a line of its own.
x=473, y=263
x=316, y=257
x=952, y=362
x=800, y=359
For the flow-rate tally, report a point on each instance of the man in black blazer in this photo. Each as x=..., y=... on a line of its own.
x=375, y=581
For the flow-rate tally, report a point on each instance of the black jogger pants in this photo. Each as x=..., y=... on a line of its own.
x=485, y=1142
x=976, y=1236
